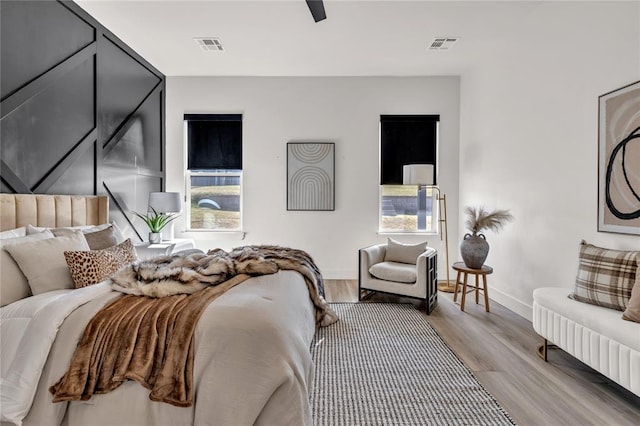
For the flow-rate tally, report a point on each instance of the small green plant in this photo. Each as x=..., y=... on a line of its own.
x=156, y=221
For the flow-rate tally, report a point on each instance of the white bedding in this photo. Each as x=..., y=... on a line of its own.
x=252, y=362
x=14, y=319
x=28, y=328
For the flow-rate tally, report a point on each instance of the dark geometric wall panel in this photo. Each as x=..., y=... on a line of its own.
x=44, y=129
x=138, y=147
x=81, y=113
x=122, y=84
x=129, y=147
x=5, y=188
x=54, y=34
x=130, y=193
x=80, y=177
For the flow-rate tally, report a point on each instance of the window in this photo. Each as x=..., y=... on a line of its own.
x=404, y=140
x=214, y=171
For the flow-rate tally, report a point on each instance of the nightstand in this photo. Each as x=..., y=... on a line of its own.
x=146, y=249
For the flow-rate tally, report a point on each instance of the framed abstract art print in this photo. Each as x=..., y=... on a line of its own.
x=619, y=160
x=310, y=176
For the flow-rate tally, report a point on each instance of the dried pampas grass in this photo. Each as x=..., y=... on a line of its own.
x=479, y=219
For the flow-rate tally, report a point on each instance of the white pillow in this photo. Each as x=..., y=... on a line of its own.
x=13, y=284
x=403, y=253
x=43, y=262
x=13, y=233
x=84, y=228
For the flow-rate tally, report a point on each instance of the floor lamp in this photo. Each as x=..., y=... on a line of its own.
x=422, y=175
x=448, y=285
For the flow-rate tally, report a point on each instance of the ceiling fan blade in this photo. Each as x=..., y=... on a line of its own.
x=317, y=9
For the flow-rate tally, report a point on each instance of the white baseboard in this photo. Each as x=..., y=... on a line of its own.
x=506, y=300
x=339, y=274
x=510, y=302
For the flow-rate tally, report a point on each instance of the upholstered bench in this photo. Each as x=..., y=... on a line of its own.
x=596, y=335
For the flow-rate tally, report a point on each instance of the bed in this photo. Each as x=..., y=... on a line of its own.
x=252, y=363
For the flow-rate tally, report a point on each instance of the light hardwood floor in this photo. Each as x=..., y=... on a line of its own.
x=500, y=348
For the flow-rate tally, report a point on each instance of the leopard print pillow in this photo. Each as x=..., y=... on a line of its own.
x=93, y=266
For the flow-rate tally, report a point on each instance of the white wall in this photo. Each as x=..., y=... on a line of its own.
x=529, y=134
x=344, y=110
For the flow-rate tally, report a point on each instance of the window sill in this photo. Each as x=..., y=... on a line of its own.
x=408, y=233
x=196, y=233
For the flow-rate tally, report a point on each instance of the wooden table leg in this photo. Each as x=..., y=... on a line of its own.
x=464, y=291
x=486, y=293
x=455, y=290
x=477, y=290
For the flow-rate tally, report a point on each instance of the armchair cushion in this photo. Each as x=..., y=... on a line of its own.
x=404, y=253
x=394, y=271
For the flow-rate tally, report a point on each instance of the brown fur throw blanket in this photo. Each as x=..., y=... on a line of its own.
x=168, y=275
x=143, y=339
x=150, y=339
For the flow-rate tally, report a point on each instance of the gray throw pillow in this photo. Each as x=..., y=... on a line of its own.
x=117, y=233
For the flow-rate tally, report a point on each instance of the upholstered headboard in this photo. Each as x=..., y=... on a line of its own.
x=51, y=211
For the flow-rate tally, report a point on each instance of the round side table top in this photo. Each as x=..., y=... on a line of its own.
x=460, y=266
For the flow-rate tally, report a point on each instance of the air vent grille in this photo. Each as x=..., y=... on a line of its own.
x=209, y=44
x=443, y=43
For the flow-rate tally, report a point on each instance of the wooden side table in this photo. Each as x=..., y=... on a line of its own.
x=463, y=272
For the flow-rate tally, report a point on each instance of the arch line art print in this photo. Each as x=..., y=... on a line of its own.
x=619, y=160
x=311, y=176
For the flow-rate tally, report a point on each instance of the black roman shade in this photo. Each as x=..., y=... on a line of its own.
x=406, y=139
x=215, y=141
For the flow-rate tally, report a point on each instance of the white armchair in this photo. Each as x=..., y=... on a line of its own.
x=380, y=272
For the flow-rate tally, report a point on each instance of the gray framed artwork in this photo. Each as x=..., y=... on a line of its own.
x=311, y=176
x=619, y=160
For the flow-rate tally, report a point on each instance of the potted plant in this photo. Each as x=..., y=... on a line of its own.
x=156, y=222
x=474, y=248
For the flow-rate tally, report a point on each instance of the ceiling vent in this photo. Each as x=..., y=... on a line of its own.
x=209, y=44
x=442, y=43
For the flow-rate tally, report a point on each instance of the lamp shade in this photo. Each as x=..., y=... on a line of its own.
x=165, y=202
x=417, y=174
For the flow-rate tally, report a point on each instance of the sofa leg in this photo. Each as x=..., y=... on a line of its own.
x=543, y=349
x=367, y=294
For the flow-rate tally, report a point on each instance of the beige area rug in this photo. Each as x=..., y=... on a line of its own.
x=383, y=364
